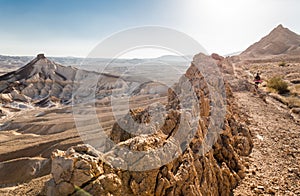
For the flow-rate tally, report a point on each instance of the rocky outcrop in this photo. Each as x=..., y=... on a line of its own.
x=217, y=57
x=183, y=148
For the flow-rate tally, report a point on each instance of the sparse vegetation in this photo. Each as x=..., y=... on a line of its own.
x=278, y=85
x=282, y=64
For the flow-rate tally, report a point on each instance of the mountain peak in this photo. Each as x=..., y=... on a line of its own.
x=280, y=29
x=280, y=26
x=40, y=56
x=280, y=41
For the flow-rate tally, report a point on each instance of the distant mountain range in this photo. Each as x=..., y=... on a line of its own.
x=13, y=62
x=278, y=44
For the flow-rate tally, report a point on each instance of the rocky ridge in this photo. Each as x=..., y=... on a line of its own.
x=194, y=171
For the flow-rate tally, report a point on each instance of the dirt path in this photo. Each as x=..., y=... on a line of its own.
x=274, y=164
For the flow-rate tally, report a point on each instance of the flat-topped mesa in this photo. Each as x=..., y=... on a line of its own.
x=40, y=56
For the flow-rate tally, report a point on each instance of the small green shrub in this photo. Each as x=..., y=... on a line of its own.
x=278, y=84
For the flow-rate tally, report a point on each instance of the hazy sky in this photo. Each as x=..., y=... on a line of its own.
x=75, y=27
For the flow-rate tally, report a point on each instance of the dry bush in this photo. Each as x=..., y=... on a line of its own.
x=278, y=84
x=282, y=64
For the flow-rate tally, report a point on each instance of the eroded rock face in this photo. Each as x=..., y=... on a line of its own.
x=170, y=165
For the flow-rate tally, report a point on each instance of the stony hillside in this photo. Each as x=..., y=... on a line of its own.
x=279, y=42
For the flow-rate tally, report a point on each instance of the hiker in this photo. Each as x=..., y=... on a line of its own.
x=257, y=80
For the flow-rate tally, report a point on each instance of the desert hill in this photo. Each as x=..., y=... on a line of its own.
x=38, y=79
x=45, y=83
x=279, y=42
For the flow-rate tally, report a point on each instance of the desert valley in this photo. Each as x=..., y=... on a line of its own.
x=61, y=120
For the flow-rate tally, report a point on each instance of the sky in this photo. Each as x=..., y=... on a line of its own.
x=75, y=27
